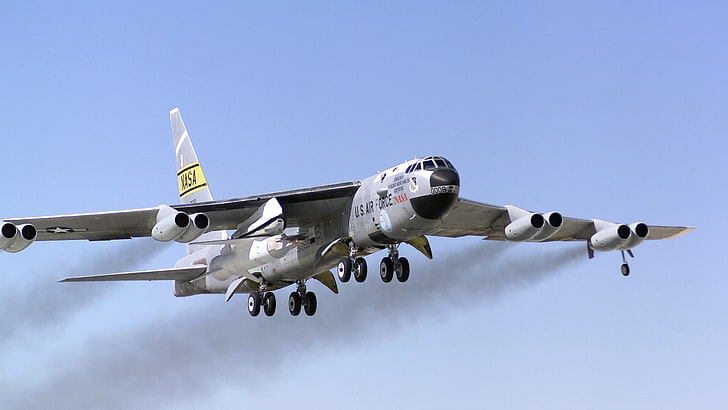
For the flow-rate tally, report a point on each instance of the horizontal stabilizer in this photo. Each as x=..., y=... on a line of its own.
x=187, y=273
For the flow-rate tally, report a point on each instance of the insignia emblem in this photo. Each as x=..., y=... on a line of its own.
x=413, y=185
x=60, y=229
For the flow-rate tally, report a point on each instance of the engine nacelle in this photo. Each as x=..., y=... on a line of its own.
x=618, y=237
x=16, y=238
x=180, y=227
x=171, y=227
x=198, y=225
x=552, y=223
x=525, y=227
x=268, y=249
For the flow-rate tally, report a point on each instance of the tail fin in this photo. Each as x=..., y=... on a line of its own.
x=191, y=180
x=193, y=186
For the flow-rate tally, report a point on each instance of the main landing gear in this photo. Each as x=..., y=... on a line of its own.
x=390, y=267
x=393, y=265
x=298, y=299
x=267, y=301
x=352, y=264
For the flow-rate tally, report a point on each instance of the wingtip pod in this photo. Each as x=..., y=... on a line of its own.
x=15, y=238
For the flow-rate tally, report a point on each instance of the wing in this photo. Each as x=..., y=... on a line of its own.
x=479, y=219
x=187, y=273
x=300, y=207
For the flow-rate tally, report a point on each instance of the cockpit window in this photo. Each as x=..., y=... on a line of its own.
x=430, y=164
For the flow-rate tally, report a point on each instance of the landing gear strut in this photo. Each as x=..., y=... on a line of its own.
x=301, y=298
x=625, y=265
x=394, y=265
x=352, y=264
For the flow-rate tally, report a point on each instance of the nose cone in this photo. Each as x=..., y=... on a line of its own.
x=444, y=188
x=444, y=177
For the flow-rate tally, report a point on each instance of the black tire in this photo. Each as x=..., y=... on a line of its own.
x=625, y=269
x=402, y=269
x=310, y=304
x=269, y=304
x=294, y=303
x=254, y=304
x=344, y=269
x=360, y=270
x=386, y=269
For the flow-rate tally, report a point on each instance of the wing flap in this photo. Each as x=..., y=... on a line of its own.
x=187, y=273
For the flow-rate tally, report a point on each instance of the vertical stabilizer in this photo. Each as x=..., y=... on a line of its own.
x=191, y=181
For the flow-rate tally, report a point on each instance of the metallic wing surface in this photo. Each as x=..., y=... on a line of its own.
x=301, y=207
x=479, y=219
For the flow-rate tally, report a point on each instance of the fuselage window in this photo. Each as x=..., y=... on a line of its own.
x=429, y=165
x=440, y=163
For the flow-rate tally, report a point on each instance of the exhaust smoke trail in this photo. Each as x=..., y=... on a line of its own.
x=45, y=302
x=162, y=359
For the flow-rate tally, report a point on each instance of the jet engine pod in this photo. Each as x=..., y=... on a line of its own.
x=525, y=227
x=171, y=227
x=24, y=236
x=619, y=237
x=198, y=225
x=553, y=221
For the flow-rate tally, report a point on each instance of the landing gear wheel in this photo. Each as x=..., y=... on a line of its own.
x=625, y=269
x=402, y=269
x=344, y=269
x=360, y=270
x=386, y=270
x=309, y=304
x=294, y=303
x=269, y=304
x=254, y=304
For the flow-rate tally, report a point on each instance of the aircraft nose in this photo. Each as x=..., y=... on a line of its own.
x=444, y=177
x=444, y=188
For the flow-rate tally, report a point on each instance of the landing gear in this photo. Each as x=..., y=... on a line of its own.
x=394, y=265
x=625, y=266
x=386, y=269
x=344, y=269
x=254, y=303
x=301, y=298
x=625, y=269
x=267, y=302
x=352, y=264
x=402, y=269
x=294, y=304
x=310, y=304
x=360, y=269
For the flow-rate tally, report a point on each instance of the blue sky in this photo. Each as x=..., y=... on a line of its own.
x=612, y=111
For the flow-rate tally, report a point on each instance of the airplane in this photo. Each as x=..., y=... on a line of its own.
x=286, y=238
